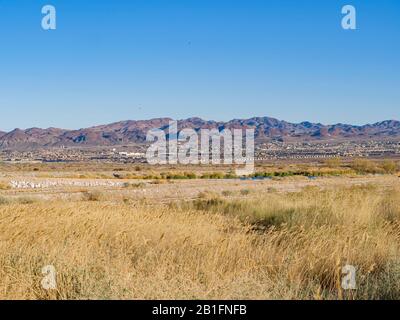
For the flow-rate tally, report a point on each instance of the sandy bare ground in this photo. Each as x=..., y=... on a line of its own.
x=182, y=189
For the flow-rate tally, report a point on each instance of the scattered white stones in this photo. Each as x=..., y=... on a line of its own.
x=61, y=183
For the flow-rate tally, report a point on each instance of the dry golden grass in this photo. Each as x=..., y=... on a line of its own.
x=237, y=246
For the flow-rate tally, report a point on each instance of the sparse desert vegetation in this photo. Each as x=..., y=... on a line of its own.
x=282, y=238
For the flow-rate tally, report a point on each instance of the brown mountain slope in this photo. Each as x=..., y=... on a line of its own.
x=131, y=131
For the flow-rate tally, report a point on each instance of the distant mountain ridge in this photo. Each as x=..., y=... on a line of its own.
x=131, y=131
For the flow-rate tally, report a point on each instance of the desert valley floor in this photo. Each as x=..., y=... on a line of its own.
x=114, y=232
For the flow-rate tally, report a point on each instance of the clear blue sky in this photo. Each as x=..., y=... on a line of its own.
x=217, y=59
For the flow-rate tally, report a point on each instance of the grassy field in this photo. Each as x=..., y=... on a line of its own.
x=284, y=238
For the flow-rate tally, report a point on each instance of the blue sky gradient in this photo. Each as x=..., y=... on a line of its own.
x=217, y=59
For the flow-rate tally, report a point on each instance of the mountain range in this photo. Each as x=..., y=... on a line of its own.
x=130, y=132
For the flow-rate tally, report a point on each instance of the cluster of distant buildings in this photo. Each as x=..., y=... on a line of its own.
x=65, y=154
x=317, y=150
x=273, y=150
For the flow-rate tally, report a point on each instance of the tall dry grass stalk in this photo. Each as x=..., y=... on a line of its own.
x=269, y=246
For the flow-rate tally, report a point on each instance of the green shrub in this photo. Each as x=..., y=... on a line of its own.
x=92, y=195
x=227, y=193
x=389, y=166
x=333, y=162
x=134, y=185
x=4, y=200
x=4, y=186
x=365, y=166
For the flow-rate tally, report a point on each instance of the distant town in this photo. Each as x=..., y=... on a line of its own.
x=275, y=150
